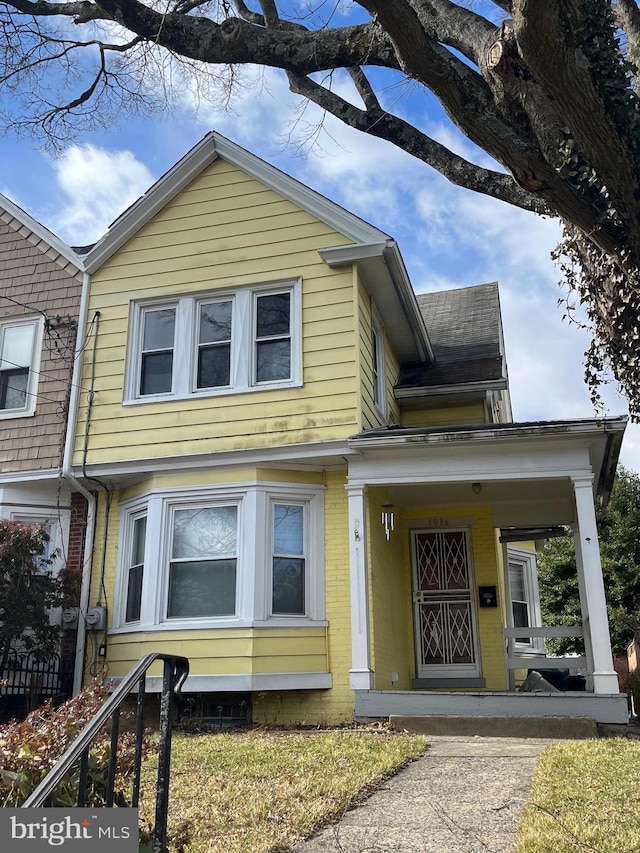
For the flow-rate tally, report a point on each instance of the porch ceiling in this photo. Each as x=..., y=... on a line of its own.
x=514, y=504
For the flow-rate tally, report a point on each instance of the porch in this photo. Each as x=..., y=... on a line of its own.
x=432, y=613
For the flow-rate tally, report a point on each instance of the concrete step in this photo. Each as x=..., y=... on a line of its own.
x=565, y=728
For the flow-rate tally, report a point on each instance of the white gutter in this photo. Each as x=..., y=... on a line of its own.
x=68, y=474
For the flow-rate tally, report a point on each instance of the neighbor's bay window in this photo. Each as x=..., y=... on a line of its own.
x=241, y=554
x=243, y=340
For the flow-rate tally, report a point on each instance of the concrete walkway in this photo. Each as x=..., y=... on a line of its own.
x=463, y=796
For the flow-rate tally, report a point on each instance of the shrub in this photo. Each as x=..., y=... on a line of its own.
x=29, y=749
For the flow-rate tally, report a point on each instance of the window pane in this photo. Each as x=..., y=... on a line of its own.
x=215, y=322
x=516, y=582
x=273, y=314
x=159, y=329
x=17, y=346
x=139, y=534
x=134, y=594
x=13, y=389
x=202, y=588
x=288, y=586
x=205, y=532
x=273, y=360
x=156, y=374
x=214, y=367
x=288, y=529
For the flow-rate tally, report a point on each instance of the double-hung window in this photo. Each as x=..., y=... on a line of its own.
x=20, y=342
x=244, y=340
x=135, y=568
x=288, y=560
x=525, y=599
x=377, y=348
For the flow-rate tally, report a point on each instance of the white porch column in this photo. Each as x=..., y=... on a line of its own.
x=594, y=608
x=360, y=674
x=584, y=609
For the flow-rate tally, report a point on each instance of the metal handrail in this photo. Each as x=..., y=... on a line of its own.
x=175, y=673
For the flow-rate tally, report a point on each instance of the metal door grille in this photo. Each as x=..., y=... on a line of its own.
x=443, y=599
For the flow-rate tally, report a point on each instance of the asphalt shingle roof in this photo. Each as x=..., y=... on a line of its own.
x=464, y=329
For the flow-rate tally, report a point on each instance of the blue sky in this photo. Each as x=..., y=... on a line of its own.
x=449, y=237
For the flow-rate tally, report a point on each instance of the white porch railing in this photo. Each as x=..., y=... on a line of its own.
x=531, y=661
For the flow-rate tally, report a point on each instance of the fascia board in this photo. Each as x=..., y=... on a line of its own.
x=152, y=202
x=41, y=232
x=559, y=430
x=313, y=202
x=394, y=280
x=448, y=390
x=189, y=167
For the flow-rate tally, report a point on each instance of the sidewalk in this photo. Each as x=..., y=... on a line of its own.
x=463, y=796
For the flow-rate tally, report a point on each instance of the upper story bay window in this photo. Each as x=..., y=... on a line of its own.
x=20, y=345
x=244, y=340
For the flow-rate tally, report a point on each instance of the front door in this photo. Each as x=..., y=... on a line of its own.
x=444, y=605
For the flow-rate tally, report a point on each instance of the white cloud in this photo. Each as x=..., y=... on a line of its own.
x=97, y=185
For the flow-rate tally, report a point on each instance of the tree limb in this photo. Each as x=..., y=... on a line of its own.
x=456, y=169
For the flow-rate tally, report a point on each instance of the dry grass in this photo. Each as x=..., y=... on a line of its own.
x=585, y=799
x=261, y=791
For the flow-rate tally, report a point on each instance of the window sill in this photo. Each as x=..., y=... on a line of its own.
x=15, y=413
x=221, y=624
x=208, y=394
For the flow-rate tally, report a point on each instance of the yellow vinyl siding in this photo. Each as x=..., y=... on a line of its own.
x=461, y=415
x=224, y=231
x=371, y=415
x=226, y=652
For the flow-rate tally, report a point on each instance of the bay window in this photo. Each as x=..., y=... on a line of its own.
x=245, y=554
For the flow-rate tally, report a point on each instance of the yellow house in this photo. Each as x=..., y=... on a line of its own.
x=308, y=480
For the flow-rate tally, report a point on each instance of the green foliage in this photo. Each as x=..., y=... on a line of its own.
x=28, y=590
x=29, y=749
x=619, y=535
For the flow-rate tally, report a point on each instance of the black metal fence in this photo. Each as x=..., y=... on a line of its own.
x=27, y=682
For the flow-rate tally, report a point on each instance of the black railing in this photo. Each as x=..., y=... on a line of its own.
x=176, y=670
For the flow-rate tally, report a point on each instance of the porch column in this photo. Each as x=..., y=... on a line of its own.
x=593, y=602
x=360, y=674
x=584, y=609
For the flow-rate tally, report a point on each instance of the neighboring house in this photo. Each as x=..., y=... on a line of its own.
x=40, y=289
x=309, y=479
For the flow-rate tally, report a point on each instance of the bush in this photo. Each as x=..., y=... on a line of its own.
x=29, y=749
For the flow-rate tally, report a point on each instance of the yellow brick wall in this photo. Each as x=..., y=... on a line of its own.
x=390, y=598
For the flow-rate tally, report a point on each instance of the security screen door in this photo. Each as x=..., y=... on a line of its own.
x=444, y=605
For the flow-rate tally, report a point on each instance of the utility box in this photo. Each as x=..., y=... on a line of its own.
x=96, y=618
x=69, y=619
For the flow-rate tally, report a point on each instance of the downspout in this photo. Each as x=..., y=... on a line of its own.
x=68, y=474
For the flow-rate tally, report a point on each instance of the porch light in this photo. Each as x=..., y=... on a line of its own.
x=387, y=519
x=476, y=488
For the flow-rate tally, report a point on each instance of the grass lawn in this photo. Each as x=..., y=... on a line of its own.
x=257, y=791
x=585, y=798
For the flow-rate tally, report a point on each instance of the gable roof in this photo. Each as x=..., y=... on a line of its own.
x=465, y=330
x=376, y=252
x=12, y=214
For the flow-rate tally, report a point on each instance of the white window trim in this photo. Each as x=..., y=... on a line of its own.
x=379, y=389
x=58, y=524
x=34, y=367
x=243, y=344
x=254, y=571
x=527, y=561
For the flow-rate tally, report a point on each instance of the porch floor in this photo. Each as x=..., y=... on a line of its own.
x=374, y=704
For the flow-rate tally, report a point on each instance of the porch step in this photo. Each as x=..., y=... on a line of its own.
x=565, y=728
